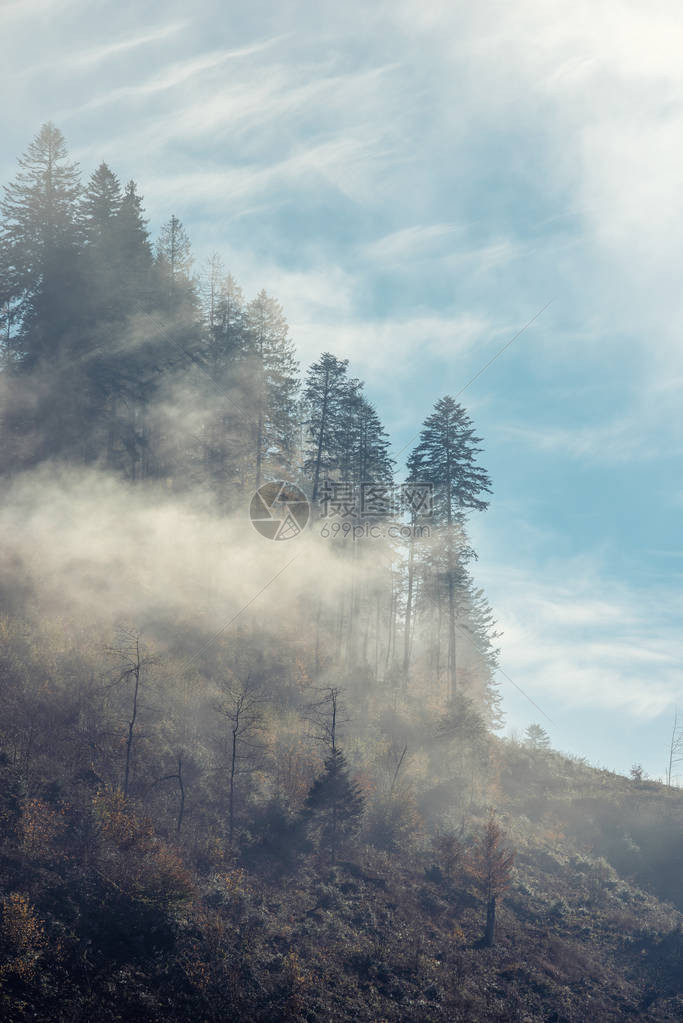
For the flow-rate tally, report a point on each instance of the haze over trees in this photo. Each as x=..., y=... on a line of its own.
x=231, y=788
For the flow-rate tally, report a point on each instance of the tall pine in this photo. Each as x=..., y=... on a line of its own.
x=445, y=458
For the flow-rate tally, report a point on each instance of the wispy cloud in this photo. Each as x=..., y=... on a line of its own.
x=170, y=77
x=616, y=441
x=22, y=9
x=410, y=241
x=623, y=439
x=84, y=59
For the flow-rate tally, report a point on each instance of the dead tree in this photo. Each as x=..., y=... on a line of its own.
x=675, y=749
x=242, y=707
x=132, y=665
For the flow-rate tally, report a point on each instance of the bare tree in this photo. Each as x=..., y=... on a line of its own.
x=131, y=668
x=675, y=748
x=242, y=707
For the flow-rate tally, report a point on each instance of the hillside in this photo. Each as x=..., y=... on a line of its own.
x=250, y=755
x=110, y=912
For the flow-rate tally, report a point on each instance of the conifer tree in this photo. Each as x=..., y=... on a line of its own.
x=224, y=382
x=491, y=864
x=325, y=390
x=445, y=459
x=536, y=737
x=375, y=464
x=41, y=290
x=335, y=804
x=174, y=266
x=40, y=241
x=274, y=384
x=133, y=250
x=101, y=205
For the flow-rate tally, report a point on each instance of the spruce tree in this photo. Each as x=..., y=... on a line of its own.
x=174, y=261
x=39, y=242
x=101, y=206
x=334, y=804
x=273, y=383
x=375, y=464
x=325, y=392
x=490, y=866
x=536, y=737
x=445, y=459
x=41, y=289
x=133, y=251
x=224, y=383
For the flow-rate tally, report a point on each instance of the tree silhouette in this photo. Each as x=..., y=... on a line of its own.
x=334, y=804
x=491, y=864
x=536, y=737
x=445, y=459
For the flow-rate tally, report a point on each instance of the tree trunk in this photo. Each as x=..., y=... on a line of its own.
x=181, y=808
x=131, y=725
x=321, y=436
x=489, y=934
x=233, y=763
x=409, y=609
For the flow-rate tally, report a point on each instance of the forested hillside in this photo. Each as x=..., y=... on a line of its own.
x=260, y=780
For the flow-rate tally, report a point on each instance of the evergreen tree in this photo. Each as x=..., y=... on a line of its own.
x=224, y=382
x=135, y=344
x=272, y=370
x=40, y=240
x=174, y=261
x=375, y=464
x=491, y=864
x=335, y=804
x=101, y=206
x=133, y=250
x=536, y=737
x=41, y=290
x=120, y=289
x=325, y=390
x=445, y=459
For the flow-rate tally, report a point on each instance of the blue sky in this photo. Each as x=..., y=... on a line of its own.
x=415, y=181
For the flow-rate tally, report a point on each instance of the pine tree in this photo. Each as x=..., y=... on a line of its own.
x=490, y=866
x=375, y=464
x=224, y=383
x=274, y=384
x=445, y=459
x=335, y=804
x=174, y=261
x=101, y=206
x=348, y=446
x=41, y=289
x=40, y=240
x=325, y=391
x=133, y=250
x=536, y=737
x=137, y=339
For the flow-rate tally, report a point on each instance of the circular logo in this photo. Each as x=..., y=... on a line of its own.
x=279, y=510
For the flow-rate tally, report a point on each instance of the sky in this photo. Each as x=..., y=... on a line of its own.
x=419, y=183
